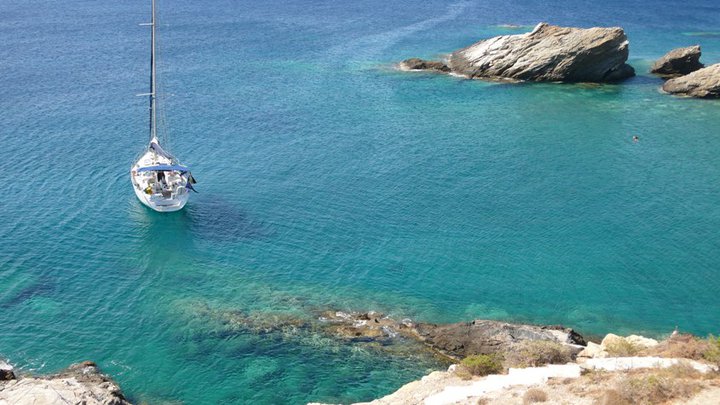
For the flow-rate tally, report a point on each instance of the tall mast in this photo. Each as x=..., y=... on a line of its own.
x=153, y=112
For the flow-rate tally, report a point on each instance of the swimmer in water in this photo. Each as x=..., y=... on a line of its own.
x=636, y=138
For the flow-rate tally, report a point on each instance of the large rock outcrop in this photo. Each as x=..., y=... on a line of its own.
x=548, y=53
x=459, y=340
x=81, y=383
x=703, y=83
x=678, y=62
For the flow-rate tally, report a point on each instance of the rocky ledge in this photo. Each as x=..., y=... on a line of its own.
x=452, y=341
x=421, y=64
x=681, y=369
x=678, y=62
x=460, y=340
x=703, y=83
x=81, y=383
x=548, y=53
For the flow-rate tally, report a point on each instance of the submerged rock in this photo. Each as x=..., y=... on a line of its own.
x=81, y=383
x=678, y=62
x=421, y=64
x=703, y=83
x=445, y=342
x=548, y=53
x=354, y=325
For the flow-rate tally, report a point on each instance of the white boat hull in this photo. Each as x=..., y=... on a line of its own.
x=170, y=194
x=162, y=204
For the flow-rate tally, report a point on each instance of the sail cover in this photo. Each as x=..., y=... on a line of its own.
x=164, y=168
x=160, y=151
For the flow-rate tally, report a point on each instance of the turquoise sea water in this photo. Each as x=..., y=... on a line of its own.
x=330, y=181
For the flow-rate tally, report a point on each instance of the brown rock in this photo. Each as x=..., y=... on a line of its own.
x=6, y=371
x=703, y=83
x=678, y=62
x=421, y=64
x=460, y=340
x=548, y=53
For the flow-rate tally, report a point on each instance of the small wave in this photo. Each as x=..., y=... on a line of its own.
x=703, y=34
x=514, y=26
x=458, y=75
x=370, y=45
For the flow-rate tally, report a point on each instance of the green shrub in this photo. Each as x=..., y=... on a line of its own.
x=681, y=345
x=538, y=353
x=681, y=370
x=482, y=364
x=654, y=389
x=712, y=354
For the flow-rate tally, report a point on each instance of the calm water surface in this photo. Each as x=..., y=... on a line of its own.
x=329, y=180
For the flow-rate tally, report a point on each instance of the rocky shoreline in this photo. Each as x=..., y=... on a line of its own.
x=532, y=355
x=619, y=370
x=551, y=53
x=80, y=383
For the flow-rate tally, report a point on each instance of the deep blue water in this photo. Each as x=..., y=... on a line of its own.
x=329, y=180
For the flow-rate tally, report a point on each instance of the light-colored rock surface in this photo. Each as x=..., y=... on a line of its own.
x=611, y=342
x=678, y=62
x=493, y=383
x=634, y=363
x=707, y=397
x=611, y=339
x=416, y=391
x=703, y=83
x=563, y=384
x=593, y=350
x=37, y=391
x=548, y=53
x=81, y=383
x=641, y=341
x=459, y=340
x=446, y=388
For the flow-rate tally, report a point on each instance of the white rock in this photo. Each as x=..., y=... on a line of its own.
x=641, y=341
x=631, y=363
x=492, y=383
x=611, y=339
x=593, y=350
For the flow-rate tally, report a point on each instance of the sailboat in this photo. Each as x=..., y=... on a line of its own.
x=159, y=180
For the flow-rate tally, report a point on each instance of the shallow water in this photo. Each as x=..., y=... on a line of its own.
x=329, y=180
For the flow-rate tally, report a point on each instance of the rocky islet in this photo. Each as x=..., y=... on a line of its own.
x=678, y=62
x=552, y=53
x=703, y=83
